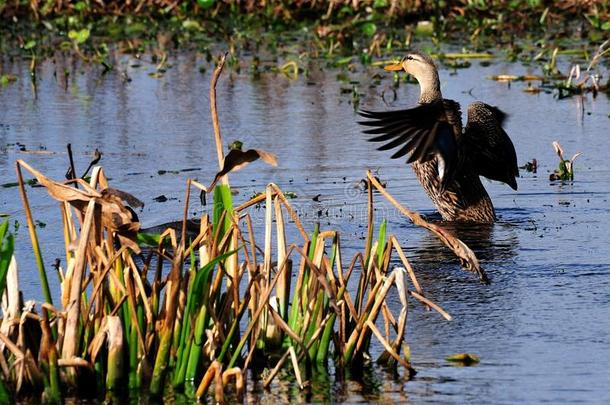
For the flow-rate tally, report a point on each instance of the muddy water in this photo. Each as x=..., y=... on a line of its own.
x=541, y=328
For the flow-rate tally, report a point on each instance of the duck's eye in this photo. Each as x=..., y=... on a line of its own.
x=409, y=57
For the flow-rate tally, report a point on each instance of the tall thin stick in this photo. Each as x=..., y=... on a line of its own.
x=214, y=112
x=34, y=237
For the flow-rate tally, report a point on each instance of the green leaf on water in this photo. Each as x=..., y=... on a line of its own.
x=343, y=61
x=424, y=28
x=29, y=45
x=205, y=4
x=191, y=25
x=369, y=29
x=80, y=37
x=80, y=6
x=136, y=28
x=465, y=359
x=6, y=79
x=237, y=144
x=606, y=26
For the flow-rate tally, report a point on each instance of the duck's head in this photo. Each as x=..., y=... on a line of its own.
x=424, y=70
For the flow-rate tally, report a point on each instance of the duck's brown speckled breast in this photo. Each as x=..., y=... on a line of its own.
x=464, y=199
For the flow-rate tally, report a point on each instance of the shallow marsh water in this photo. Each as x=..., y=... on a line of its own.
x=541, y=327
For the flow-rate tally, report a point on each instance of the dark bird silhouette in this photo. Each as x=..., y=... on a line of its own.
x=447, y=159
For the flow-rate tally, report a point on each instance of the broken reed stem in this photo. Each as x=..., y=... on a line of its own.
x=431, y=304
x=386, y=345
x=214, y=112
x=468, y=258
x=34, y=237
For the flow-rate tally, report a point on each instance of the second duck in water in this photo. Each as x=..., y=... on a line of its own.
x=447, y=159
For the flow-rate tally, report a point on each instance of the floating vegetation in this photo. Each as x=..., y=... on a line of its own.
x=7, y=79
x=139, y=313
x=464, y=359
x=531, y=166
x=577, y=82
x=341, y=31
x=565, y=171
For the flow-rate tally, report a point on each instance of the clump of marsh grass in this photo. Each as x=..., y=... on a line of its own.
x=199, y=313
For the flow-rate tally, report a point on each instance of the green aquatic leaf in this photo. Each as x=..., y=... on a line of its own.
x=80, y=6
x=237, y=144
x=465, y=359
x=148, y=239
x=369, y=29
x=80, y=37
x=136, y=28
x=424, y=28
x=343, y=61
x=191, y=25
x=29, y=45
x=6, y=79
x=205, y=4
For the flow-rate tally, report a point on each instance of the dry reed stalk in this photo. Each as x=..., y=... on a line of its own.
x=253, y=201
x=293, y=215
x=431, y=304
x=214, y=372
x=386, y=345
x=237, y=374
x=11, y=300
x=371, y=314
x=214, y=112
x=71, y=333
x=115, y=370
x=406, y=263
x=295, y=366
x=463, y=252
x=283, y=288
x=74, y=362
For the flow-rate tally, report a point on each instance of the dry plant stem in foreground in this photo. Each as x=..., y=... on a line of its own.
x=462, y=251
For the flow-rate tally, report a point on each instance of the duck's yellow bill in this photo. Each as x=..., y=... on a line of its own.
x=394, y=67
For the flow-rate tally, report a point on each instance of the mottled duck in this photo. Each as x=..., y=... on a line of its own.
x=447, y=159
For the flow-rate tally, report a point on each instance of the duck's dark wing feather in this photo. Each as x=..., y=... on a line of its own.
x=487, y=146
x=414, y=130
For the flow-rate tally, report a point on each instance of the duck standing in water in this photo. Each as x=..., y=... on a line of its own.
x=446, y=159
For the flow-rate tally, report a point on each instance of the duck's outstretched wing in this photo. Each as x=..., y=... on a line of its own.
x=487, y=146
x=422, y=132
x=413, y=130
